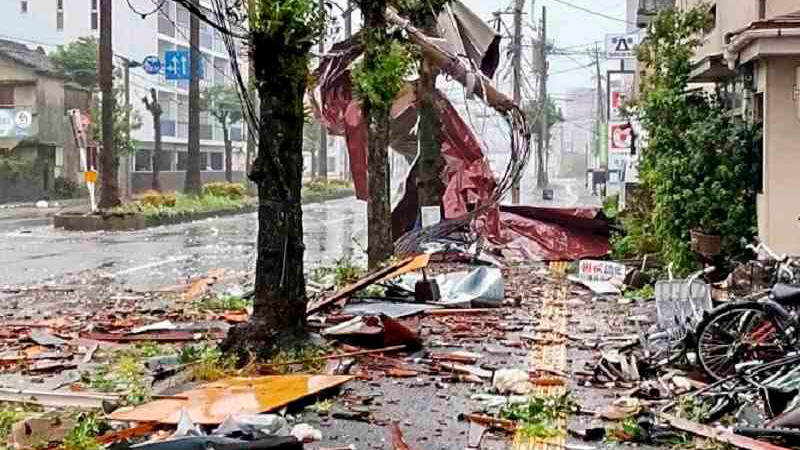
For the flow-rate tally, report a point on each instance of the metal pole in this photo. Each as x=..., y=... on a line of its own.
x=126, y=157
x=322, y=161
x=348, y=33
x=544, y=149
x=517, y=61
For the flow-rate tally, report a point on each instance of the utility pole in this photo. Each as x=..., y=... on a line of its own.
x=348, y=33
x=109, y=186
x=194, y=182
x=544, y=138
x=517, y=61
x=322, y=164
x=599, y=113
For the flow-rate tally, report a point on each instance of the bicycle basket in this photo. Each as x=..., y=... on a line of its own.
x=680, y=305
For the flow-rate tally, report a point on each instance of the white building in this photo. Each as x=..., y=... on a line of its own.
x=49, y=23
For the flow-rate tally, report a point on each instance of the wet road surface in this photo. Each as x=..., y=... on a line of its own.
x=164, y=255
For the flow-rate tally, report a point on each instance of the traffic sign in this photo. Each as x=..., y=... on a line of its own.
x=621, y=137
x=622, y=46
x=152, y=65
x=177, y=65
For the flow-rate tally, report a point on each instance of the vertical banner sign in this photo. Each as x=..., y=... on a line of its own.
x=80, y=125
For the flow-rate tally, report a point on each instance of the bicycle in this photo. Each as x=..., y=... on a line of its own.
x=765, y=329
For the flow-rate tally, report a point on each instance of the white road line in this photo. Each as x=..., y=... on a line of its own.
x=151, y=265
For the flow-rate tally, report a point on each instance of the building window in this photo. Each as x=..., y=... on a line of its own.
x=6, y=96
x=23, y=7
x=165, y=161
x=712, y=20
x=762, y=9
x=183, y=160
x=165, y=23
x=204, y=162
x=216, y=161
x=142, y=163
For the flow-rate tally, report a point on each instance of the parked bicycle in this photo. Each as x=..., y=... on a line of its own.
x=762, y=327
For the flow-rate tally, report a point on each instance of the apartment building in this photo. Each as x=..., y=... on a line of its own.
x=49, y=23
x=752, y=55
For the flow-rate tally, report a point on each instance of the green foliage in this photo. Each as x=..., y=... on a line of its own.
x=342, y=272
x=126, y=121
x=611, y=206
x=15, y=167
x=78, y=60
x=690, y=408
x=222, y=102
x=124, y=372
x=9, y=415
x=64, y=188
x=225, y=303
x=208, y=363
x=419, y=12
x=299, y=353
x=157, y=199
x=539, y=416
x=534, y=115
x=83, y=435
x=233, y=191
x=644, y=293
x=319, y=190
x=378, y=80
x=700, y=167
x=627, y=431
x=183, y=204
x=322, y=407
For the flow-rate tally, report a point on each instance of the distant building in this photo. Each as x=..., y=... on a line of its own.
x=56, y=22
x=34, y=129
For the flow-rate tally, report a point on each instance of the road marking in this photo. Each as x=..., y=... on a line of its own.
x=151, y=265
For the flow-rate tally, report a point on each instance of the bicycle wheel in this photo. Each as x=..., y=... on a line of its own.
x=740, y=332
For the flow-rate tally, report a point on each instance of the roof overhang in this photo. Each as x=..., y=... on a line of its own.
x=711, y=69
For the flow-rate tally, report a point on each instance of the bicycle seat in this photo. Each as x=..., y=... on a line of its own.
x=786, y=294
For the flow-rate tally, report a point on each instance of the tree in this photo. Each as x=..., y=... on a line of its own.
x=423, y=14
x=78, y=60
x=553, y=112
x=378, y=79
x=109, y=163
x=155, y=110
x=194, y=181
x=282, y=33
x=125, y=120
x=222, y=102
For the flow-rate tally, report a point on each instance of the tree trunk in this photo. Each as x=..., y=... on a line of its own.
x=429, y=174
x=156, y=183
x=379, y=210
x=194, y=182
x=109, y=186
x=228, y=153
x=280, y=300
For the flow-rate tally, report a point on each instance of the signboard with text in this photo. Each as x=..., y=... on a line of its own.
x=622, y=46
x=593, y=270
x=620, y=137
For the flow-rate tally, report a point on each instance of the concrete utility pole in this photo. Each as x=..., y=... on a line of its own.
x=517, y=61
x=348, y=33
x=322, y=164
x=194, y=182
x=600, y=116
x=109, y=185
x=544, y=137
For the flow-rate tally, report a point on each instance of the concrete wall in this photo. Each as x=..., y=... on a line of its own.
x=779, y=204
x=174, y=181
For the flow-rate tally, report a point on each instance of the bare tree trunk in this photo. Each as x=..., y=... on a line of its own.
x=155, y=110
x=228, y=153
x=194, y=182
x=109, y=186
x=280, y=301
x=429, y=170
x=379, y=209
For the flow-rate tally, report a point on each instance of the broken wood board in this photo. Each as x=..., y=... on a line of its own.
x=211, y=403
x=724, y=436
x=399, y=268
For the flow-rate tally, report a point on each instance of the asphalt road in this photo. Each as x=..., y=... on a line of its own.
x=32, y=251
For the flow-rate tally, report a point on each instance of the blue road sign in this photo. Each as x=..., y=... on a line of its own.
x=176, y=65
x=152, y=65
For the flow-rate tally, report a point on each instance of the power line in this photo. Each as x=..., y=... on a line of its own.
x=596, y=13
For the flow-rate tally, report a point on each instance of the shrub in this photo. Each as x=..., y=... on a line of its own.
x=233, y=191
x=64, y=188
x=159, y=199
